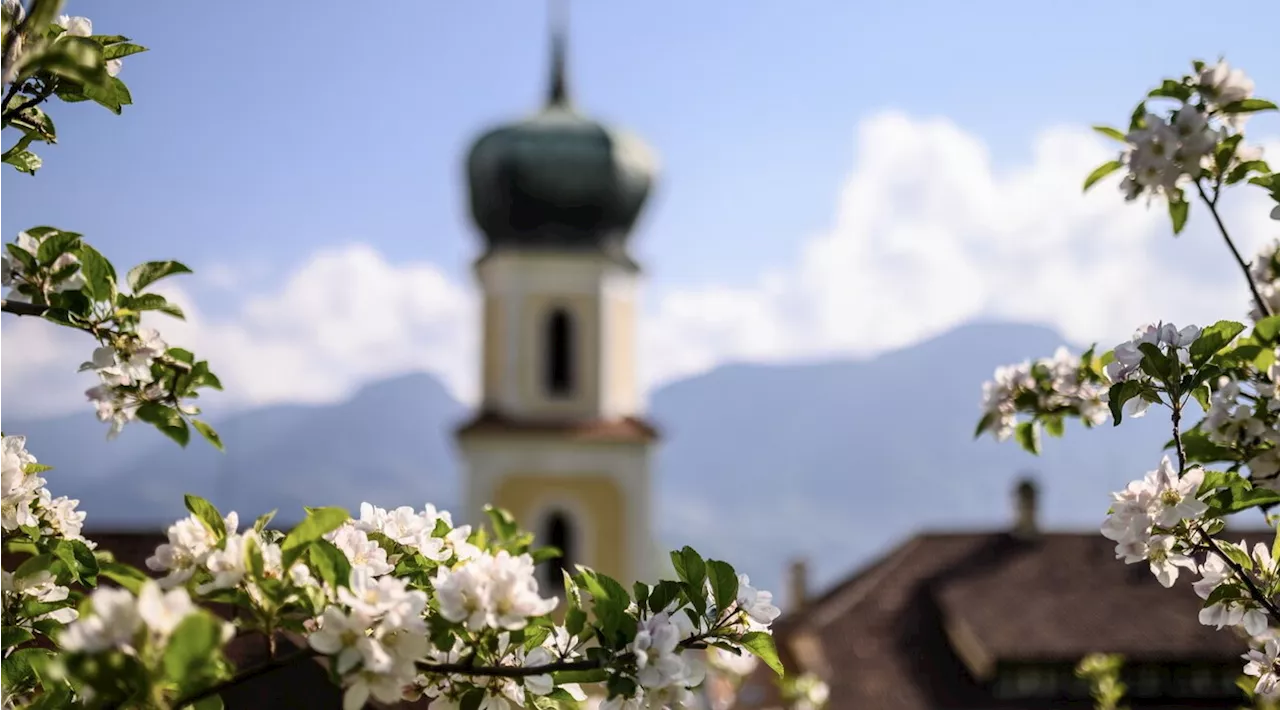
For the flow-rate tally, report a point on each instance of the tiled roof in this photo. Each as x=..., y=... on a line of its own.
x=922, y=627
x=622, y=430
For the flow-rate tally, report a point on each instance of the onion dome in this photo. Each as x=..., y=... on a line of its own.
x=559, y=180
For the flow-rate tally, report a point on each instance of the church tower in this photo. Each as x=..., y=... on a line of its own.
x=559, y=440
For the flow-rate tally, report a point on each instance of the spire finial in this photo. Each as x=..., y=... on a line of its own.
x=558, y=94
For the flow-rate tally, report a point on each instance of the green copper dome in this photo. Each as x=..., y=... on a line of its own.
x=559, y=180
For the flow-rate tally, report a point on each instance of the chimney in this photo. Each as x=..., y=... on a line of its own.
x=1025, y=496
x=798, y=584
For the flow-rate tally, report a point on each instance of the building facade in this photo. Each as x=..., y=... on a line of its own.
x=559, y=440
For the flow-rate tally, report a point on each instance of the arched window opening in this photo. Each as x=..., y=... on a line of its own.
x=559, y=533
x=560, y=363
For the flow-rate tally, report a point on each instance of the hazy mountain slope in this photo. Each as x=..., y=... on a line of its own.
x=390, y=443
x=836, y=460
x=840, y=460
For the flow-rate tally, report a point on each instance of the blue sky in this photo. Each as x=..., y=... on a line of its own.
x=261, y=137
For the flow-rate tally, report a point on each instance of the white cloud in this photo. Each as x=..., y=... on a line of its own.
x=927, y=235
x=343, y=318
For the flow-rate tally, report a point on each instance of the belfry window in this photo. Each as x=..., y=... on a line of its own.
x=559, y=352
x=558, y=532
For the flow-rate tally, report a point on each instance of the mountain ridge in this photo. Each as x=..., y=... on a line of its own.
x=836, y=459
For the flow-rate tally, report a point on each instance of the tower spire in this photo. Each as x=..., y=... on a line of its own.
x=558, y=93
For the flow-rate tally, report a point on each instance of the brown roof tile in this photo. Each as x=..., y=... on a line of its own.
x=883, y=633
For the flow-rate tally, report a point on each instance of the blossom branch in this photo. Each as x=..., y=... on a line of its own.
x=1212, y=204
x=1249, y=584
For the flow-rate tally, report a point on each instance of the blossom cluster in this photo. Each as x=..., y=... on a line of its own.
x=221, y=560
x=1145, y=519
x=127, y=379
x=120, y=621
x=26, y=503
x=140, y=376
x=375, y=632
x=1062, y=384
x=1244, y=415
x=1166, y=152
x=16, y=54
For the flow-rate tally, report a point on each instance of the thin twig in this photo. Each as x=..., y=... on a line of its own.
x=1244, y=265
x=1177, y=437
x=20, y=308
x=507, y=671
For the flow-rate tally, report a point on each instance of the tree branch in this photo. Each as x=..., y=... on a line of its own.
x=45, y=91
x=1244, y=265
x=507, y=671
x=20, y=308
x=246, y=676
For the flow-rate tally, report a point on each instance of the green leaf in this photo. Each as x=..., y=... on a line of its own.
x=261, y=523
x=22, y=256
x=55, y=245
x=1054, y=425
x=1242, y=170
x=663, y=594
x=42, y=14
x=987, y=420
x=724, y=583
x=12, y=636
x=1213, y=339
x=208, y=433
x=1110, y=132
x=79, y=560
x=128, y=577
x=1100, y=172
x=318, y=522
x=760, y=644
x=99, y=276
x=1268, y=329
x=207, y=514
x=201, y=377
x=76, y=58
x=689, y=566
x=594, y=675
x=123, y=49
x=22, y=667
x=190, y=652
x=1178, y=210
x=24, y=161
x=33, y=565
x=36, y=125
x=1171, y=89
x=144, y=275
x=1028, y=436
x=330, y=563
x=113, y=95
x=1249, y=106
x=575, y=620
x=503, y=524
